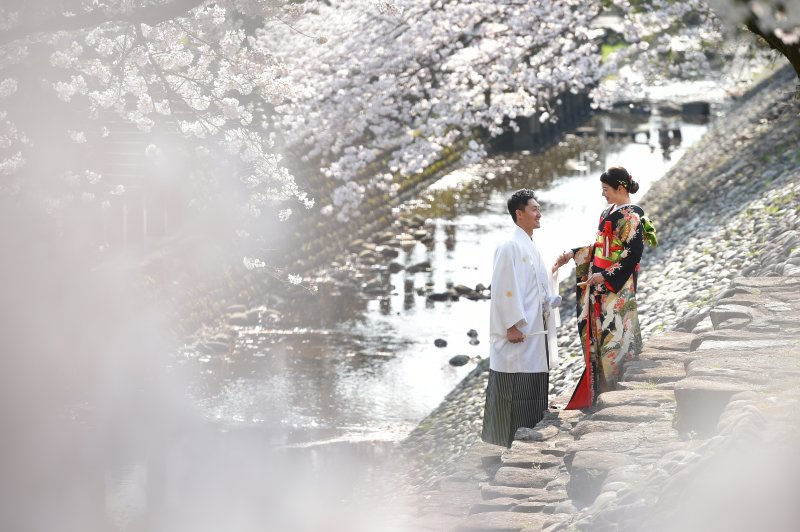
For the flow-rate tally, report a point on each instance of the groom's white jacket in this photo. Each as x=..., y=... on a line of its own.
x=520, y=283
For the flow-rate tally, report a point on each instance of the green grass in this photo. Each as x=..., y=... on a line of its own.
x=608, y=49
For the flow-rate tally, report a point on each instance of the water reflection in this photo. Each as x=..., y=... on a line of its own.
x=358, y=362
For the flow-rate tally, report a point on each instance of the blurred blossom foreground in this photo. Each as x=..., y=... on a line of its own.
x=166, y=165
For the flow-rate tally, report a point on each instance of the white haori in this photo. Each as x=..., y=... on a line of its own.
x=521, y=283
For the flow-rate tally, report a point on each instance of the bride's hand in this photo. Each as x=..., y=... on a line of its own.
x=596, y=278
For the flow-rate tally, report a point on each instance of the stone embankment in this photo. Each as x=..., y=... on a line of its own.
x=705, y=421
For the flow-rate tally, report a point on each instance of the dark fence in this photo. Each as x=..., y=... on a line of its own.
x=537, y=135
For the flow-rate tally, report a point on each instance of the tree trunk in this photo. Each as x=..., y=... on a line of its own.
x=790, y=52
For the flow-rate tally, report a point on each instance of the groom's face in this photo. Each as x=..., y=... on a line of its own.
x=530, y=217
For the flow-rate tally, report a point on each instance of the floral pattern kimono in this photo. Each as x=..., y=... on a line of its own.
x=608, y=323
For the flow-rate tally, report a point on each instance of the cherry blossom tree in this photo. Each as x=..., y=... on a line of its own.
x=404, y=81
x=340, y=83
x=777, y=22
x=188, y=65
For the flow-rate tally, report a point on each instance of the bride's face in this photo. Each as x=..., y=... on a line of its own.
x=612, y=196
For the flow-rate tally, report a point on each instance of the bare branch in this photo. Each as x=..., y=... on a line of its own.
x=151, y=15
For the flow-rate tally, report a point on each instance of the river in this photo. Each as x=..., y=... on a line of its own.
x=352, y=369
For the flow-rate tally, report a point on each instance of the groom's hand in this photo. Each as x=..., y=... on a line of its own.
x=560, y=261
x=514, y=336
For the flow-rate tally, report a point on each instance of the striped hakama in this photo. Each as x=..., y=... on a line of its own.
x=513, y=400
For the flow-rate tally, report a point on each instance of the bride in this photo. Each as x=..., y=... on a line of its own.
x=607, y=277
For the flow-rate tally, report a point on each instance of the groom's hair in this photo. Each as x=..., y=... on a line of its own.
x=519, y=200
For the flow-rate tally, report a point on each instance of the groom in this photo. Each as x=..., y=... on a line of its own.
x=522, y=326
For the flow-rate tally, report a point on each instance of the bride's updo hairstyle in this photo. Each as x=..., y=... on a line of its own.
x=618, y=176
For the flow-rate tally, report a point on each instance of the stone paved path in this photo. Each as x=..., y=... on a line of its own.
x=617, y=468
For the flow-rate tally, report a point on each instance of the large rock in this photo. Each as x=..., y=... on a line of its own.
x=641, y=385
x=244, y=318
x=747, y=300
x=743, y=345
x=561, y=419
x=701, y=401
x=628, y=414
x=356, y=245
x=488, y=453
x=548, y=496
x=632, y=474
x=395, y=267
x=651, y=398
x=516, y=477
x=496, y=492
x=537, y=434
x=501, y=504
x=457, y=482
x=588, y=427
x=661, y=355
x=731, y=335
x=755, y=365
x=654, y=371
x=768, y=284
x=389, y=252
x=459, y=360
x=383, y=237
x=528, y=456
x=533, y=507
x=723, y=313
x=503, y=522
x=606, y=442
x=462, y=500
x=715, y=367
x=565, y=507
x=588, y=471
x=671, y=341
x=774, y=323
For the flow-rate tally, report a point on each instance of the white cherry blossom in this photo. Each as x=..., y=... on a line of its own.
x=345, y=84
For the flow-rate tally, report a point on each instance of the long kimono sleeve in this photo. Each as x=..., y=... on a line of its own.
x=552, y=279
x=507, y=309
x=583, y=262
x=618, y=273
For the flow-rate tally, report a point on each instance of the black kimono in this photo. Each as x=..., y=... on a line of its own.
x=608, y=323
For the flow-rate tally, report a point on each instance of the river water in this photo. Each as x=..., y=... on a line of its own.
x=352, y=369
